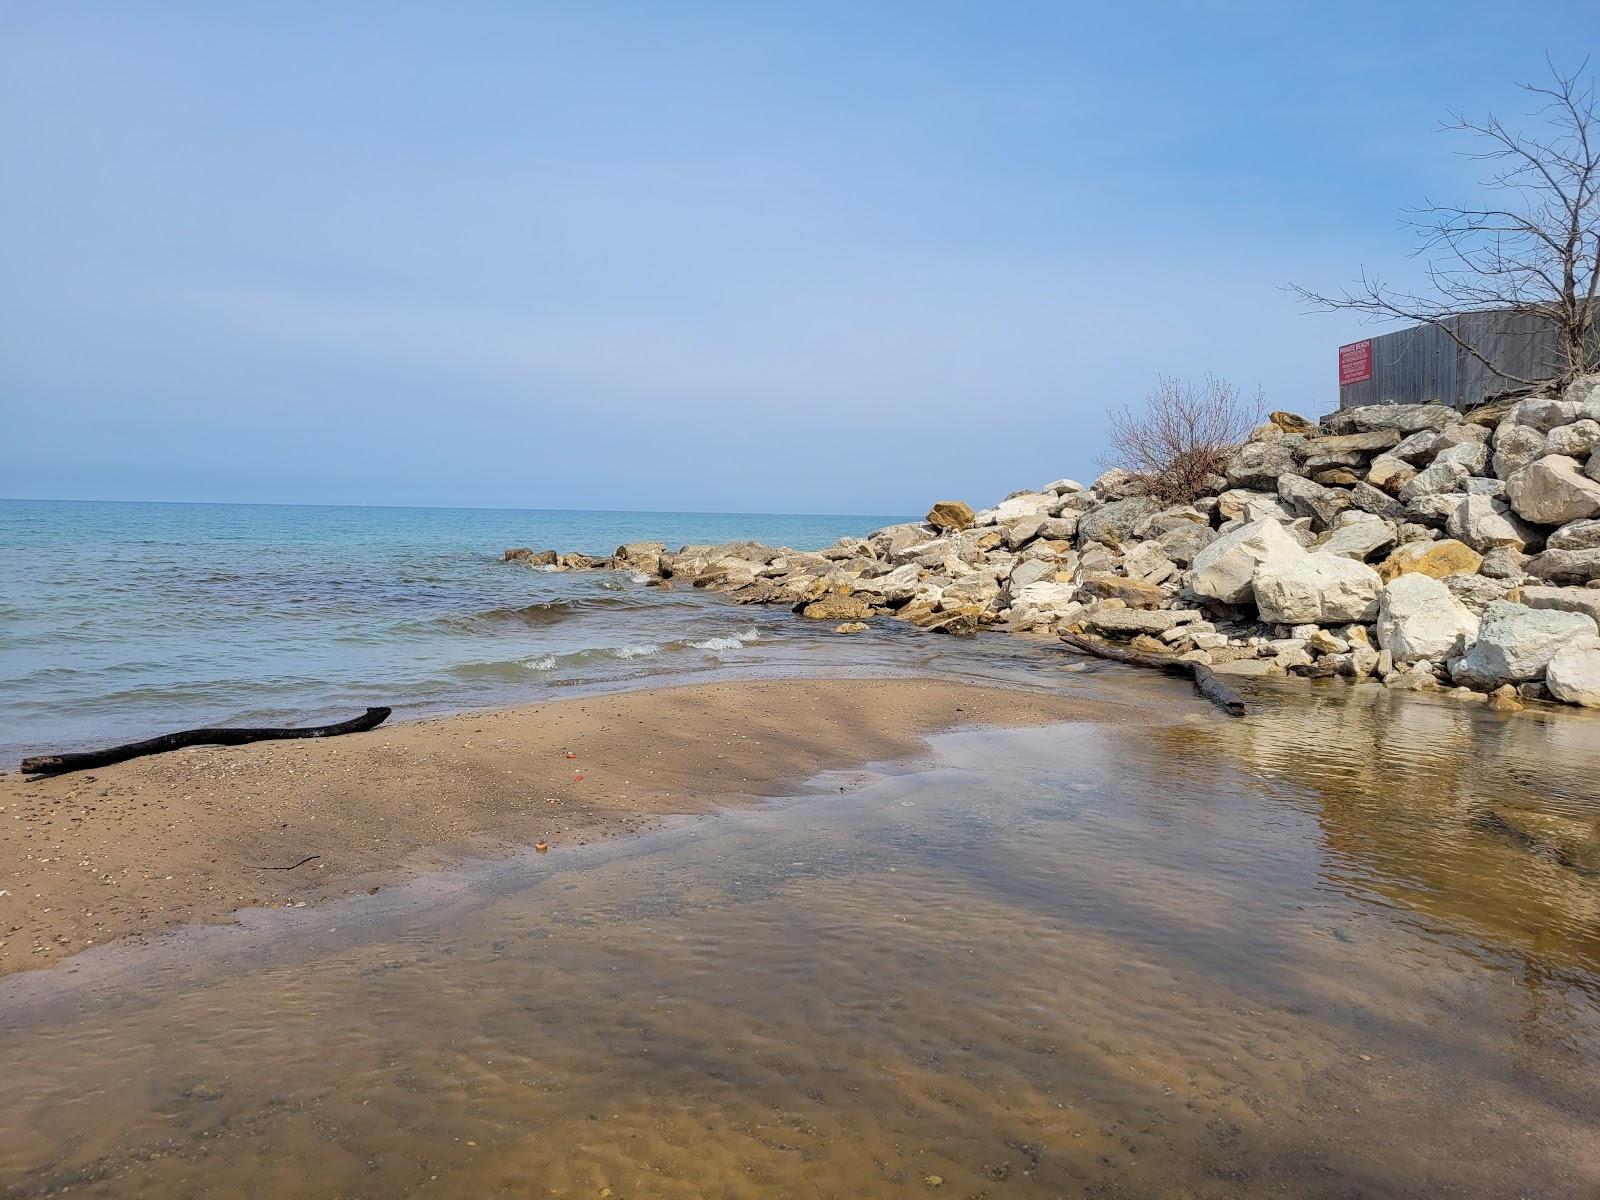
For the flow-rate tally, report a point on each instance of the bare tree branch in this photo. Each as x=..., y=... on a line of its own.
x=1536, y=255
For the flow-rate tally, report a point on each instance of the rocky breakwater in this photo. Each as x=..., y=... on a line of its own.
x=1410, y=544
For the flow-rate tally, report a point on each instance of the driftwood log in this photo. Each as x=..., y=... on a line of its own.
x=60, y=764
x=1205, y=679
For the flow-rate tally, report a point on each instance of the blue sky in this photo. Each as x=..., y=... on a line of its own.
x=750, y=257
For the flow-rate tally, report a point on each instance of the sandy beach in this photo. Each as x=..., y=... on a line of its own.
x=195, y=835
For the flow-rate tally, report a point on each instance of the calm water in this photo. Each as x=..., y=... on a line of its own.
x=1293, y=955
x=122, y=620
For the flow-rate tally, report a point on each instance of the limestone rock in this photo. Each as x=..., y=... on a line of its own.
x=1291, y=422
x=1566, y=566
x=1024, y=504
x=894, y=587
x=1134, y=593
x=1483, y=523
x=644, y=557
x=1576, y=440
x=1515, y=446
x=1445, y=476
x=1515, y=643
x=1564, y=599
x=1135, y=620
x=1320, y=589
x=837, y=607
x=533, y=558
x=1472, y=455
x=1419, y=446
x=893, y=539
x=951, y=515
x=1436, y=559
x=1346, y=443
x=1405, y=418
x=1112, y=524
x=1477, y=592
x=1502, y=562
x=850, y=627
x=1183, y=543
x=1306, y=499
x=1380, y=504
x=1418, y=618
x=1259, y=464
x=1225, y=570
x=1542, y=413
x=1553, y=491
x=1576, y=535
x=1389, y=473
x=1459, y=435
x=1573, y=673
x=1359, y=539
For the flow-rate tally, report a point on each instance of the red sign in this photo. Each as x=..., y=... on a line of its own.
x=1355, y=362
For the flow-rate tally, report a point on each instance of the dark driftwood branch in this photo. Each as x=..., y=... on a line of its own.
x=1205, y=679
x=290, y=867
x=59, y=764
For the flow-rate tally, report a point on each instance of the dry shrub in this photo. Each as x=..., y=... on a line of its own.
x=1182, y=435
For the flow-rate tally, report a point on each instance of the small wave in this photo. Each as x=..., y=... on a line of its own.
x=637, y=650
x=539, y=615
x=737, y=641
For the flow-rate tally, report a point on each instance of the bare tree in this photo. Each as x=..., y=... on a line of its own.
x=1533, y=248
x=1181, y=437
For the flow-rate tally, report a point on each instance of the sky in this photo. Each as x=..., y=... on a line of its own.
x=747, y=257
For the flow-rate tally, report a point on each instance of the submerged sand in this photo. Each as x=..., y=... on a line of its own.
x=196, y=835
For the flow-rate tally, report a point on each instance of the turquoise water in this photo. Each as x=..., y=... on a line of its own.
x=122, y=620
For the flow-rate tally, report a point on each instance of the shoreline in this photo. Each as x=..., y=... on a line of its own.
x=195, y=835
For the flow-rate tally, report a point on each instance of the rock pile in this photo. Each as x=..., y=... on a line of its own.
x=1408, y=543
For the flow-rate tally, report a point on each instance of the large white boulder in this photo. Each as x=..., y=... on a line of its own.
x=1573, y=675
x=1419, y=618
x=1484, y=522
x=1026, y=504
x=1316, y=589
x=1515, y=643
x=1552, y=491
x=1515, y=446
x=1358, y=535
x=1225, y=570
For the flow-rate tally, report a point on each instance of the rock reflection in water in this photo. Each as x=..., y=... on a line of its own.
x=1269, y=957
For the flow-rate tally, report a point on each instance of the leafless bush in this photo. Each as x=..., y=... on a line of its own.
x=1181, y=436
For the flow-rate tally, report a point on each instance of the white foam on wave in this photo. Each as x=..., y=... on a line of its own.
x=545, y=662
x=638, y=577
x=719, y=643
x=637, y=650
x=735, y=642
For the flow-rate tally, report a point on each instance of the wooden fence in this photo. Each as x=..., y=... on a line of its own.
x=1423, y=363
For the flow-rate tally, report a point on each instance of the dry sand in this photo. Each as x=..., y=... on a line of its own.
x=189, y=836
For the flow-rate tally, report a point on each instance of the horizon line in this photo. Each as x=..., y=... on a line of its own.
x=663, y=512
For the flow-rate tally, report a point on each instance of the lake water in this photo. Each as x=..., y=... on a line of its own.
x=1296, y=955
x=123, y=620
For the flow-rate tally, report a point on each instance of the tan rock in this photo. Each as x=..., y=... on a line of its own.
x=1434, y=559
x=1133, y=592
x=951, y=515
x=1291, y=422
x=837, y=607
x=850, y=627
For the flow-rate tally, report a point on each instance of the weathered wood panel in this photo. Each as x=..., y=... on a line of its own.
x=1423, y=363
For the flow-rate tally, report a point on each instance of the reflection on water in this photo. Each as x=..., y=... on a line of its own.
x=1280, y=956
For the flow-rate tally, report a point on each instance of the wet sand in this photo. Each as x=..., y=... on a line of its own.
x=195, y=835
x=1206, y=959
